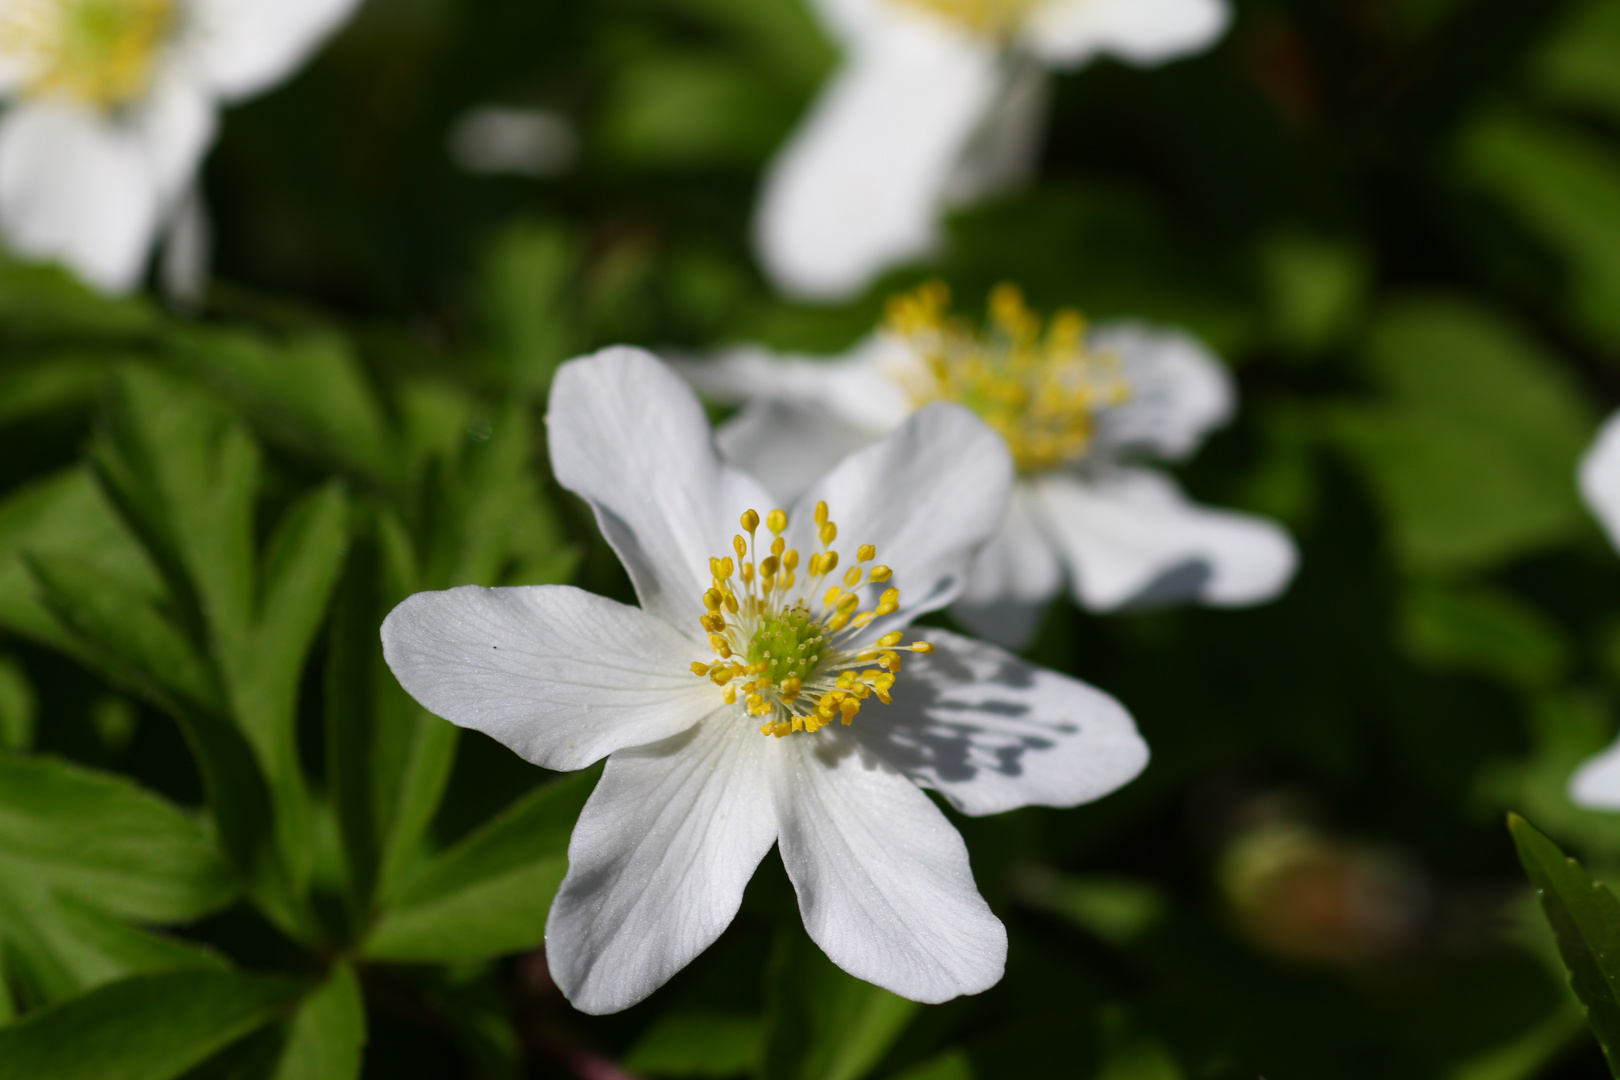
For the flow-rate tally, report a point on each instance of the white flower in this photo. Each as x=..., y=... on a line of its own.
x=1596, y=784
x=732, y=645
x=938, y=102
x=113, y=108
x=1076, y=410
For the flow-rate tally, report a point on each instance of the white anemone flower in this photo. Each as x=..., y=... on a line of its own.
x=112, y=109
x=938, y=102
x=1596, y=784
x=755, y=698
x=1077, y=410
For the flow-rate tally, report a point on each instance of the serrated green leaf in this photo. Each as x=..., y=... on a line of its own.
x=149, y=1027
x=824, y=1024
x=102, y=839
x=1585, y=916
x=326, y=1035
x=489, y=894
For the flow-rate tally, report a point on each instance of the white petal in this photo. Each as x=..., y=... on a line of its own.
x=883, y=879
x=175, y=124
x=1068, y=33
x=992, y=733
x=79, y=189
x=1014, y=576
x=559, y=675
x=658, y=861
x=1179, y=391
x=629, y=436
x=1596, y=784
x=1600, y=478
x=1131, y=537
x=246, y=46
x=852, y=388
x=928, y=496
x=787, y=448
x=1006, y=147
x=859, y=187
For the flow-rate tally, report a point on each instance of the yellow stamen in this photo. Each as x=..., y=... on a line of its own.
x=100, y=53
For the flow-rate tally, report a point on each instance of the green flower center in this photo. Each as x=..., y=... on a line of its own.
x=788, y=645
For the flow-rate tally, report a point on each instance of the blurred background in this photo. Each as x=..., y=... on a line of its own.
x=1397, y=220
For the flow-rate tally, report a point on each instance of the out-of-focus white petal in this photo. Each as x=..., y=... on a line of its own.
x=561, y=676
x=628, y=435
x=859, y=186
x=187, y=252
x=992, y=733
x=1131, y=537
x=246, y=46
x=1006, y=147
x=1600, y=478
x=1596, y=784
x=883, y=879
x=1013, y=578
x=928, y=496
x=1179, y=391
x=787, y=448
x=175, y=124
x=1068, y=33
x=77, y=188
x=851, y=388
x=658, y=861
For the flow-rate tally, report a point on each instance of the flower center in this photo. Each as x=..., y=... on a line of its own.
x=794, y=658
x=996, y=19
x=95, y=52
x=1040, y=390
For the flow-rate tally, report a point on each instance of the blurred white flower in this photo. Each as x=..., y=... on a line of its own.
x=1596, y=784
x=112, y=109
x=733, y=644
x=497, y=139
x=938, y=102
x=1075, y=408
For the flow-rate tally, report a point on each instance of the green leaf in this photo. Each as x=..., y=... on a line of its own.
x=1116, y=909
x=526, y=298
x=102, y=839
x=951, y=1065
x=1483, y=630
x=19, y=709
x=488, y=895
x=327, y=1034
x=149, y=1027
x=824, y=1024
x=1565, y=185
x=1316, y=288
x=1575, y=64
x=1586, y=919
x=1472, y=451
x=698, y=1043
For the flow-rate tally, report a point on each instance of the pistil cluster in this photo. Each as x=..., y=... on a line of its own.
x=93, y=52
x=1040, y=389
x=788, y=645
x=999, y=20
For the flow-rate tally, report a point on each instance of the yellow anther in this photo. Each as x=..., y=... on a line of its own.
x=791, y=559
x=866, y=553
x=721, y=674
x=888, y=641
x=714, y=622
x=791, y=688
x=730, y=696
x=747, y=573
x=890, y=596
x=924, y=647
x=777, y=546
x=832, y=597
x=864, y=619
x=750, y=521
x=719, y=645
x=828, y=533
x=731, y=603
x=776, y=521
x=829, y=561
x=848, y=602
x=821, y=514
x=838, y=621
x=890, y=662
x=880, y=574
x=853, y=578
x=740, y=546
x=727, y=568
x=699, y=668
x=769, y=567
x=713, y=599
